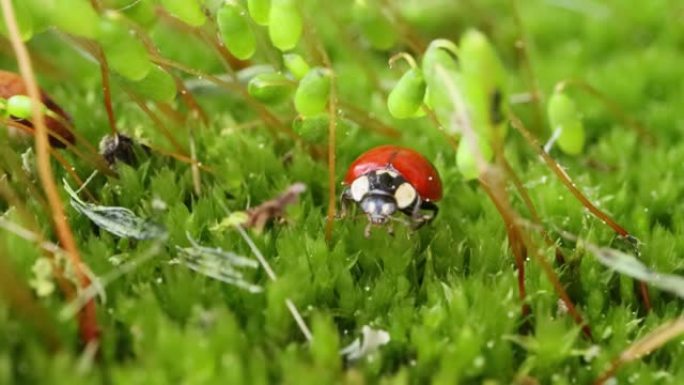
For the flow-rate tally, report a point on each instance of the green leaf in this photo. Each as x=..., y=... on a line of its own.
x=158, y=85
x=376, y=28
x=20, y=106
x=484, y=82
x=296, y=65
x=235, y=31
x=406, y=98
x=76, y=17
x=312, y=93
x=479, y=60
x=142, y=12
x=125, y=54
x=189, y=11
x=259, y=10
x=439, y=68
x=566, y=120
x=466, y=160
x=285, y=24
x=270, y=87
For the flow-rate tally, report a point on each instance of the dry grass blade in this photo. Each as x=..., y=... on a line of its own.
x=119, y=221
x=258, y=216
x=628, y=264
x=644, y=346
x=218, y=264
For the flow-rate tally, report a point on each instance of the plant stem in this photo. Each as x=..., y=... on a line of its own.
x=87, y=318
x=570, y=185
x=106, y=90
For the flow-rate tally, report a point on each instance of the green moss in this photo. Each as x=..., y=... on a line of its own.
x=447, y=294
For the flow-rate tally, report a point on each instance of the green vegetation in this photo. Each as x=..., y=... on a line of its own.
x=230, y=124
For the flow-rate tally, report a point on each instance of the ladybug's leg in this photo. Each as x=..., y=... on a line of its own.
x=345, y=202
x=390, y=229
x=367, y=230
x=429, y=206
x=418, y=218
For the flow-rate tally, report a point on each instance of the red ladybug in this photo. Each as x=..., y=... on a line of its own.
x=387, y=179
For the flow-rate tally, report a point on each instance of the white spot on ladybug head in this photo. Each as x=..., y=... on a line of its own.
x=387, y=171
x=359, y=188
x=405, y=195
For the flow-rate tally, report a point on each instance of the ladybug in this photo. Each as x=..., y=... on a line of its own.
x=387, y=179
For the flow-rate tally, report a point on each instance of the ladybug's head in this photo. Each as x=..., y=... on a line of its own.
x=380, y=193
x=379, y=206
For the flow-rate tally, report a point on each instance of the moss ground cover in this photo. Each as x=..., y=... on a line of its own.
x=446, y=294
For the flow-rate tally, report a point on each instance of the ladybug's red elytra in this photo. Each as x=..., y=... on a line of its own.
x=387, y=179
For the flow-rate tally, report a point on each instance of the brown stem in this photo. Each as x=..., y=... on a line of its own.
x=332, y=179
x=565, y=178
x=87, y=318
x=190, y=100
x=525, y=196
x=511, y=220
x=515, y=243
x=106, y=90
x=317, y=49
x=570, y=185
